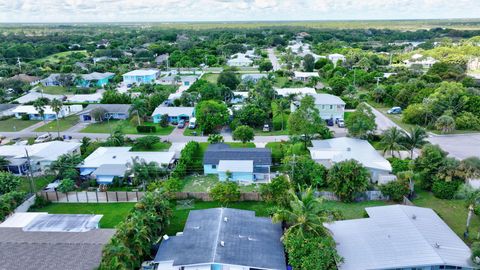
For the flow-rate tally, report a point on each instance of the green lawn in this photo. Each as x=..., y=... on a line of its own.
x=160, y=146
x=64, y=124
x=189, y=132
x=352, y=210
x=113, y=213
x=57, y=57
x=13, y=124
x=453, y=212
x=211, y=77
x=39, y=183
x=204, y=183
x=125, y=126
x=55, y=90
x=280, y=81
x=259, y=132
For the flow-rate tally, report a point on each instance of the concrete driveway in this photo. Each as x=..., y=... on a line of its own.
x=459, y=146
x=273, y=58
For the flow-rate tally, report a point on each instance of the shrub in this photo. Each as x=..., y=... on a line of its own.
x=40, y=202
x=445, y=190
x=276, y=192
x=225, y=192
x=8, y=203
x=147, y=142
x=8, y=182
x=66, y=185
x=146, y=129
x=348, y=178
x=399, y=165
x=25, y=117
x=188, y=159
x=396, y=190
x=467, y=120
x=476, y=252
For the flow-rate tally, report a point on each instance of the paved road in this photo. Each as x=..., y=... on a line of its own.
x=458, y=146
x=382, y=121
x=273, y=58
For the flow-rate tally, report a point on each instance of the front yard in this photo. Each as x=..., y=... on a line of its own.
x=126, y=127
x=13, y=124
x=204, y=183
x=64, y=124
x=55, y=90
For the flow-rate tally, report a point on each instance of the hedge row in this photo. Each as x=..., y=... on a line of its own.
x=188, y=160
x=132, y=242
x=9, y=202
x=146, y=129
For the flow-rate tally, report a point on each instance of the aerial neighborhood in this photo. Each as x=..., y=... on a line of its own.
x=256, y=146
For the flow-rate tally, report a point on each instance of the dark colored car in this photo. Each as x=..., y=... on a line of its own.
x=330, y=122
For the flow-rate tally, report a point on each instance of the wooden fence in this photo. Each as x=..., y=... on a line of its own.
x=127, y=196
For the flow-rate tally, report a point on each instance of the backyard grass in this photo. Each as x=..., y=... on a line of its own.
x=126, y=127
x=211, y=77
x=453, y=212
x=113, y=213
x=13, y=124
x=280, y=81
x=189, y=132
x=55, y=90
x=38, y=182
x=352, y=210
x=64, y=124
x=158, y=147
x=204, y=183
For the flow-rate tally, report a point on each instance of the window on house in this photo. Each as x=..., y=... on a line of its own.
x=214, y=166
x=331, y=107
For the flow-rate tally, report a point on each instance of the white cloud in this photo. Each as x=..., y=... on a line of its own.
x=178, y=10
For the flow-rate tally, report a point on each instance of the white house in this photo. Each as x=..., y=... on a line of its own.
x=418, y=59
x=240, y=60
x=329, y=106
x=335, y=57
x=32, y=96
x=285, y=92
x=399, y=237
x=41, y=155
x=140, y=76
x=304, y=76
x=48, y=114
x=331, y=151
x=105, y=163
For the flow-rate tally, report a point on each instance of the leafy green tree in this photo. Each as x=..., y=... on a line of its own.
x=244, y=134
x=8, y=182
x=445, y=124
x=86, y=141
x=338, y=85
x=416, y=138
x=57, y=105
x=164, y=120
x=396, y=190
x=225, y=192
x=229, y=79
x=40, y=106
x=114, y=97
x=215, y=138
x=305, y=172
x=64, y=163
x=139, y=107
x=147, y=142
x=66, y=185
x=265, y=66
x=307, y=123
x=361, y=123
x=429, y=163
x=308, y=63
x=146, y=172
x=276, y=192
x=392, y=140
x=347, y=178
x=211, y=115
x=252, y=115
x=98, y=114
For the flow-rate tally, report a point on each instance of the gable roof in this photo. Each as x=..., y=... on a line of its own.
x=173, y=111
x=97, y=76
x=110, y=108
x=221, y=151
x=25, y=78
x=327, y=99
x=6, y=106
x=398, y=236
x=247, y=240
x=295, y=91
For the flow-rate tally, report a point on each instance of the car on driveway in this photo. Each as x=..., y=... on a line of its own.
x=340, y=123
x=330, y=122
x=395, y=110
x=181, y=124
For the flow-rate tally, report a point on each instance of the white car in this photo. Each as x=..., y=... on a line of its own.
x=43, y=138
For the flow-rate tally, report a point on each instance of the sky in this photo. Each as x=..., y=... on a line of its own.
x=12, y=11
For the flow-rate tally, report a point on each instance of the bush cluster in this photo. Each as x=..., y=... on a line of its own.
x=188, y=159
x=445, y=190
x=8, y=203
x=146, y=129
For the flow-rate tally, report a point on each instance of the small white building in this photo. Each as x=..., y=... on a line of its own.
x=48, y=114
x=331, y=151
x=305, y=76
x=335, y=57
x=140, y=76
x=240, y=60
x=285, y=92
x=329, y=106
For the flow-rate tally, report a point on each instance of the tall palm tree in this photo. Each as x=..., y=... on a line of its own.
x=57, y=105
x=392, y=140
x=282, y=107
x=416, y=139
x=139, y=106
x=40, y=105
x=305, y=213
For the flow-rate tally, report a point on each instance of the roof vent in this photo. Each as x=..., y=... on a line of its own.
x=251, y=239
x=114, y=157
x=225, y=219
x=436, y=245
x=349, y=149
x=414, y=217
x=222, y=243
x=165, y=237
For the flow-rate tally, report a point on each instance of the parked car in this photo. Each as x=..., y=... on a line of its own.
x=181, y=124
x=266, y=128
x=341, y=123
x=330, y=122
x=43, y=138
x=395, y=110
x=193, y=123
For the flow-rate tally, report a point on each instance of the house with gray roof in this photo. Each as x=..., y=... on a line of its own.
x=95, y=79
x=238, y=164
x=110, y=112
x=224, y=238
x=399, y=237
x=254, y=78
x=7, y=109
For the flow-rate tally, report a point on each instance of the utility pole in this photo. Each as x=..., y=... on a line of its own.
x=378, y=80
x=19, y=63
x=30, y=173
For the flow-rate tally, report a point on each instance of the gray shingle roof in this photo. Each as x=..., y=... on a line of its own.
x=6, y=106
x=248, y=240
x=111, y=169
x=51, y=250
x=220, y=151
x=110, y=108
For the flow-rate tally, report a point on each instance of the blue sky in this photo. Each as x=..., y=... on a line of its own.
x=231, y=10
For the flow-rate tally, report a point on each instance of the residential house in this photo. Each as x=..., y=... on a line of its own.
x=238, y=164
x=41, y=155
x=102, y=44
x=420, y=60
x=103, y=59
x=32, y=80
x=52, y=241
x=95, y=79
x=106, y=163
x=86, y=98
x=56, y=79
x=329, y=106
x=112, y=112
x=162, y=59
x=399, y=237
x=169, y=79
x=188, y=80
x=223, y=238
x=7, y=109
x=285, y=92
x=331, y=151
x=240, y=60
x=254, y=78
x=239, y=97
x=32, y=96
x=175, y=114
x=335, y=57
x=140, y=76
x=48, y=114
x=305, y=76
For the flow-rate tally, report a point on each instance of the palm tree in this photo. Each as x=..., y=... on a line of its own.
x=305, y=213
x=416, y=139
x=445, y=124
x=139, y=106
x=392, y=139
x=40, y=105
x=57, y=105
x=282, y=107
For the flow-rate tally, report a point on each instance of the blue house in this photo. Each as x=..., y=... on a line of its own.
x=175, y=114
x=238, y=164
x=110, y=112
x=223, y=238
x=140, y=76
x=95, y=79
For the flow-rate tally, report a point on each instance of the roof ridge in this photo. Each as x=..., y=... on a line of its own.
x=215, y=244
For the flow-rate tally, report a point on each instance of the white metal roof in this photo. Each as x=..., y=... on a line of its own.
x=47, y=150
x=122, y=155
x=327, y=99
x=86, y=98
x=299, y=74
x=235, y=166
x=141, y=72
x=32, y=96
x=295, y=91
x=398, y=236
x=343, y=148
x=173, y=111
